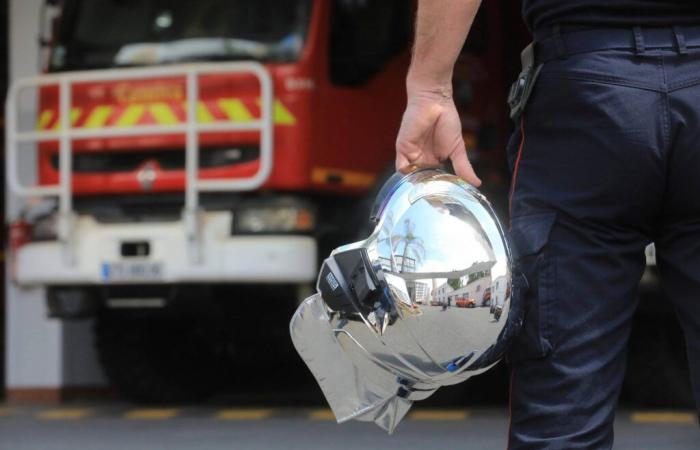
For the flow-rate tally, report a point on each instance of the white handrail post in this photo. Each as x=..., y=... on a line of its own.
x=268, y=123
x=191, y=218
x=65, y=170
x=11, y=144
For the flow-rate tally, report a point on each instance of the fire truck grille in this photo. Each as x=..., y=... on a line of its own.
x=115, y=161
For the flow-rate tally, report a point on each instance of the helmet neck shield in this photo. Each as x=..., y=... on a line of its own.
x=423, y=302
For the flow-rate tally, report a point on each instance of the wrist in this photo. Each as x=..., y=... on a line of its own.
x=438, y=93
x=424, y=75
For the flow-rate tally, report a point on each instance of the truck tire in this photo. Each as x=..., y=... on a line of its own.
x=157, y=361
x=657, y=366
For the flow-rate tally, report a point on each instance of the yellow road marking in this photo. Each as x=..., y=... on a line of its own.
x=235, y=110
x=64, y=414
x=152, y=414
x=437, y=414
x=244, y=414
x=163, y=114
x=664, y=417
x=321, y=414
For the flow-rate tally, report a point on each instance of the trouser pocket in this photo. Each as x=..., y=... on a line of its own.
x=530, y=236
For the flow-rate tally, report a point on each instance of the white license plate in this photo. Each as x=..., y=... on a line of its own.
x=132, y=271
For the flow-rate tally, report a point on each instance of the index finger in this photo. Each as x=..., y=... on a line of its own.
x=463, y=168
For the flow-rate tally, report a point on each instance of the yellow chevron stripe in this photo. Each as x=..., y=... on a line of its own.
x=75, y=115
x=282, y=115
x=47, y=116
x=130, y=116
x=44, y=119
x=98, y=117
x=163, y=114
x=203, y=114
x=235, y=110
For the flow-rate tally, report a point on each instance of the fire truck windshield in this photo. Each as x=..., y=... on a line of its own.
x=95, y=34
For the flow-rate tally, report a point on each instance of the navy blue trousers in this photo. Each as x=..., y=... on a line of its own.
x=605, y=160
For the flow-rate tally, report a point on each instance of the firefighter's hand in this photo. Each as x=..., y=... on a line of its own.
x=430, y=134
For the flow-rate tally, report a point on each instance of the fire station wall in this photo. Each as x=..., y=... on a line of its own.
x=43, y=356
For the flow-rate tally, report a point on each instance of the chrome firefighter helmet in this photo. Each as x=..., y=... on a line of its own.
x=424, y=302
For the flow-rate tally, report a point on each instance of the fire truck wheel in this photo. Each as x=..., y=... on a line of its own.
x=152, y=360
x=657, y=367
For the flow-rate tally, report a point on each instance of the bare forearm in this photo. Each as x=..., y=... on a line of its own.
x=441, y=29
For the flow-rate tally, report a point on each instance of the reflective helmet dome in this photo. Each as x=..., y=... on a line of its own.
x=423, y=302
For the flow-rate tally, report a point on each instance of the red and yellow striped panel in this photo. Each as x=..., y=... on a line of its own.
x=163, y=113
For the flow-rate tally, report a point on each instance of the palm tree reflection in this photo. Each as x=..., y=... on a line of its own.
x=413, y=246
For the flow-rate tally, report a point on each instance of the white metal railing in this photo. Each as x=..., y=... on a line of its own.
x=191, y=128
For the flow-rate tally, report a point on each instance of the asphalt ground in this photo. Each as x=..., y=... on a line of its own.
x=112, y=426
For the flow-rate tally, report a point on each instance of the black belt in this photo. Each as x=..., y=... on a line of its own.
x=561, y=43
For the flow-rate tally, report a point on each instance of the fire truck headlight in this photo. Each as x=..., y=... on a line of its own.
x=273, y=219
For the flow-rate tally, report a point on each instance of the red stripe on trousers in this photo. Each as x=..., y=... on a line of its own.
x=517, y=165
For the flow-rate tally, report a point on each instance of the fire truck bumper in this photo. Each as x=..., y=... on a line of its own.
x=154, y=253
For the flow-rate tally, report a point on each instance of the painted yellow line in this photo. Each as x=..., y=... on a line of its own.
x=437, y=414
x=244, y=414
x=664, y=417
x=321, y=414
x=152, y=414
x=64, y=414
